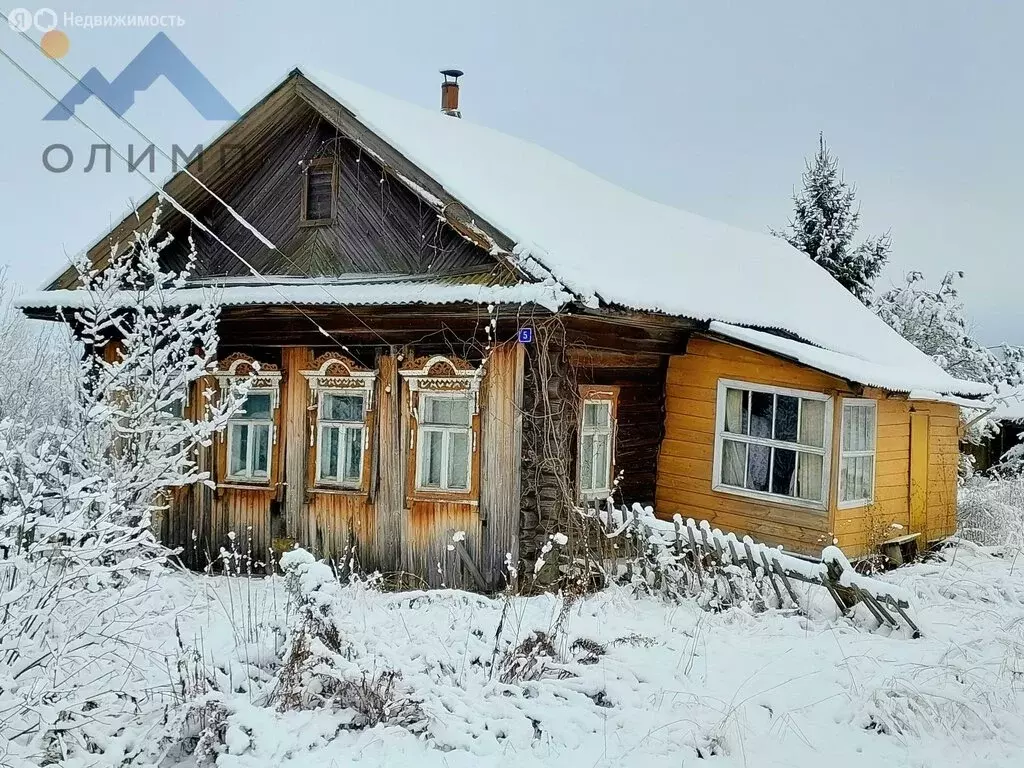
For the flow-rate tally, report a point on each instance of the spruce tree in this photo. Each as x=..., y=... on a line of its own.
x=824, y=225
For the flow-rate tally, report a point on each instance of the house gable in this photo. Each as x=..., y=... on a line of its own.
x=384, y=223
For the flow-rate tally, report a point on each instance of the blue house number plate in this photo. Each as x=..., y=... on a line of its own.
x=525, y=335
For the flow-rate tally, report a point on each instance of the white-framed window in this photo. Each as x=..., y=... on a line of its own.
x=597, y=434
x=444, y=442
x=341, y=441
x=857, y=453
x=251, y=438
x=772, y=443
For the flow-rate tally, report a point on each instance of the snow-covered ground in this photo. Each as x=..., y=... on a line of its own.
x=651, y=683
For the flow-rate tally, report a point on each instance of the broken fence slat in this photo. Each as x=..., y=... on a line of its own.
x=696, y=555
x=771, y=577
x=470, y=565
x=785, y=582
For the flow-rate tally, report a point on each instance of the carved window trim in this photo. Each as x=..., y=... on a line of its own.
x=335, y=374
x=265, y=379
x=316, y=165
x=444, y=377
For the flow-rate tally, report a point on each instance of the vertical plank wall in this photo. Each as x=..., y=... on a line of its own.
x=685, y=460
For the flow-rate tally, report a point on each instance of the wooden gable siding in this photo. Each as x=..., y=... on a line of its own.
x=685, y=462
x=379, y=226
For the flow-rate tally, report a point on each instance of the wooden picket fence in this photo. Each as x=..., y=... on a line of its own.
x=705, y=552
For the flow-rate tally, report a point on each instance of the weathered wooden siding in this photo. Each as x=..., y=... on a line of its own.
x=376, y=525
x=379, y=226
x=685, y=462
x=500, y=465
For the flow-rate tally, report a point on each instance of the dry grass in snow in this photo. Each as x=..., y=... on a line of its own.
x=448, y=678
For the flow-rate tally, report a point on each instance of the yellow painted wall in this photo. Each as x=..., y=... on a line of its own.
x=686, y=458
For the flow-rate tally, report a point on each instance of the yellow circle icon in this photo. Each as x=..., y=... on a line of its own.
x=55, y=44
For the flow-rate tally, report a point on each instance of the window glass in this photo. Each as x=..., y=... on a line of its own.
x=458, y=461
x=432, y=457
x=783, y=472
x=239, y=439
x=857, y=462
x=772, y=443
x=330, y=447
x=812, y=422
x=736, y=415
x=786, y=410
x=758, y=460
x=809, y=476
x=261, y=450
x=761, y=412
x=342, y=407
x=446, y=410
x=353, y=455
x=256, y=406
x=596, y=413
x=734, y=463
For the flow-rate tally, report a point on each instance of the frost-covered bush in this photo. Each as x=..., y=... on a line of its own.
x=935, y=322
x=79, y=564
x=323, y=668
x=990, y=512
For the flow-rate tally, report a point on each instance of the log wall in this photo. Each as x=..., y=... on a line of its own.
x=383, y=527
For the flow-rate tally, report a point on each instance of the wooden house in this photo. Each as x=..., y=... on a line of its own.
x=462, y=336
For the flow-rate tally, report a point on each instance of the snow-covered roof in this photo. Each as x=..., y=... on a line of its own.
x=546, y=295
x=848, y=367
x=1009, y=406
x=602, y=241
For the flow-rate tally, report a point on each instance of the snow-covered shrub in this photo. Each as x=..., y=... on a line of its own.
x=990, y=512
x=79, y=564
x=935, y=321
x=322, y=668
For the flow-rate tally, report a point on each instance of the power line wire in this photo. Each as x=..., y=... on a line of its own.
x=181, y=208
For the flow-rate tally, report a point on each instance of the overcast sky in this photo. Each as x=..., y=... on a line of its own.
x=707, y=106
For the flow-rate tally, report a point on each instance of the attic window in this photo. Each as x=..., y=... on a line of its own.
x=318, y=185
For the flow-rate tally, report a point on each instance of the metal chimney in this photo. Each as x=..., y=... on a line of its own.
x=450, y=92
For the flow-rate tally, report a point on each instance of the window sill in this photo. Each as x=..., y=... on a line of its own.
x=771, y=498
x=338, y=490
x=246, y=485
x=440, y=497
x=855, y=504
x=316, y=223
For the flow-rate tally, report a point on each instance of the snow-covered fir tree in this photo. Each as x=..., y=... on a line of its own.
x=824, y=225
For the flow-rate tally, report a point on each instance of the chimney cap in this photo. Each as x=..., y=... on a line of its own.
x=453, y=73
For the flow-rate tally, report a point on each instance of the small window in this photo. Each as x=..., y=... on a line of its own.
x=857, y=455
x=250, y=436
x=341, y=441
x=772, y=442
x=597, y=442
x=318, y=192
x=444, y=442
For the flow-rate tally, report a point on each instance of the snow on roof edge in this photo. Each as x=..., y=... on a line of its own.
x=550, y=297
x=855, y=369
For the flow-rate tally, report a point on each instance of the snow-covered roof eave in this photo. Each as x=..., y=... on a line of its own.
x=551, y=297
x=919, y=383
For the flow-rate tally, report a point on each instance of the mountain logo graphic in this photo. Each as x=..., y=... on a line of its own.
x=159, y=57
